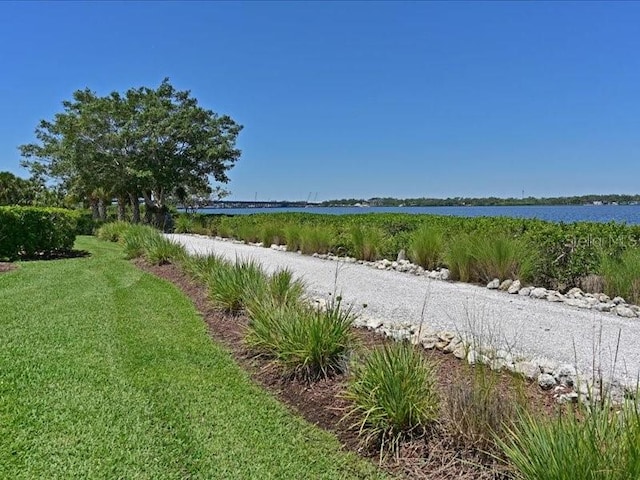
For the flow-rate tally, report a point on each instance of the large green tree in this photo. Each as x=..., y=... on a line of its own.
x=149, y=143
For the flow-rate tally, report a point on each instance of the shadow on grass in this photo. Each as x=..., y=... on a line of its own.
x=55, y=255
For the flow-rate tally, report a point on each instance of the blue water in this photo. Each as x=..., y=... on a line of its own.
x=561, y=213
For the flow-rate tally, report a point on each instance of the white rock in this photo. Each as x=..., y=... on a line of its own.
x=555, y=297
x=446, y=336
x=538, y=293
x=515, y=287
x=566, y=375
x=546, y=381
x=604, y=307
x=493, y=284
x=624, y=311
x=402, y=256
x=527, y=369
x=504, y=286
x=474, y=357
x=460, y=351
x=394, y=264
x=497, y=364
x=575, y=292
x=545, y=364
x=504, y=355
x=445, y=274
x=453, y=345
x=571, y=397
x=619, y=301
x=575, y=302
x=525, y=291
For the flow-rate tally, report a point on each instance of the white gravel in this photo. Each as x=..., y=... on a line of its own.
x=536, y=328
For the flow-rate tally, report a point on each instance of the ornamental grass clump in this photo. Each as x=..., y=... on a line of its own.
x=283, y=289
x=231, y=286
x=426, y=247
x=593, y=444
x=292, y=237
x=307, y=343
x=478, y=408
x=271, y=234
x=459, y=258
x=366, y=242
x=159, y=250
x=394, y=395
x=622, y=275
x=136, y=238
x=247, y=232
x=315, y=239
x=199, y=267
x=113, y=231
x=184, y=224
x=499, y=257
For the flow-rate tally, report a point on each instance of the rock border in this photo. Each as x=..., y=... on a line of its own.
x=568, y=383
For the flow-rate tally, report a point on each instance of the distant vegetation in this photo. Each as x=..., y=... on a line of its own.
x=483, y=202
x=554, y=255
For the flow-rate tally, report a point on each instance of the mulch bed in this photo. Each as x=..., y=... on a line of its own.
x=7, y=267
x=438, y=457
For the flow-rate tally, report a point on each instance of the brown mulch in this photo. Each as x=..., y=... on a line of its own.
x=320, y=403
x=7, y=267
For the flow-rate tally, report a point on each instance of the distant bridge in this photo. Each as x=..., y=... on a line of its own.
x=255, y=204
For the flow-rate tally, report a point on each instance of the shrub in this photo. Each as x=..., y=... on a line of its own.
x=426, y=247
x=308, y=343
x=366, y=242
x=315, y=239
x=393, y=393
x=596, y=444
x=31, y=231
x=86, y=225
x=232, y=286
x=113, y=231
x=622, y=275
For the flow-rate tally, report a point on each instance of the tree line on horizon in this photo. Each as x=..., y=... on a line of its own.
x=620, y=199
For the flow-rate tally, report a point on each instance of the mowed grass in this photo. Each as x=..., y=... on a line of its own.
x=108, y=372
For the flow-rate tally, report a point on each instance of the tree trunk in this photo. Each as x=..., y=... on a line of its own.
x=135, y=207
x=102, y=210
x=149, y=208
x=122, y=204
x=95, y=214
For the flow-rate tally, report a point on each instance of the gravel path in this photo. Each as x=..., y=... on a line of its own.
x=536, y=328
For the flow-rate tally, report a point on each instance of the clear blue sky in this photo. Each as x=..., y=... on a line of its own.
x=359, y=99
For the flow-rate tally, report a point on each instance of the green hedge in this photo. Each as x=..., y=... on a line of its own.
x=31, y=231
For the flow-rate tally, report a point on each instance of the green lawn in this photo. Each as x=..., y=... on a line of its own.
x=108, y=372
